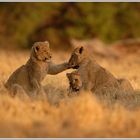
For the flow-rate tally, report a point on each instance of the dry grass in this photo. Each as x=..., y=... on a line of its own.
x=81, y=116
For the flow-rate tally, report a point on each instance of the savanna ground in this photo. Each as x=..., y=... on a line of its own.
x=82, y=116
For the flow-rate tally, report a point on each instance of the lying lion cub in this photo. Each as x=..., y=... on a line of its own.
x=90, y=75
x=75, y=83
x=28, y=77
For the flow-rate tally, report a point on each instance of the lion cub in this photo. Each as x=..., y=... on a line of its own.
x=28, y=77
x=93, y=77
x=75, y=83
x=130, y=98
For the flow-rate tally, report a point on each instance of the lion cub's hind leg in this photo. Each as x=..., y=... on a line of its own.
x=17, y=90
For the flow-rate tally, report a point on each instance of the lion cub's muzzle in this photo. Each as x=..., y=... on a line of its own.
x=47, y=59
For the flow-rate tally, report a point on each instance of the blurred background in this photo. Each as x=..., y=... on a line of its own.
x=21, y=24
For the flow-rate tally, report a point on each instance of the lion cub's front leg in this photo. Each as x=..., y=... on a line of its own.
x=38, y=90
x=35, y=84
x=35, y=87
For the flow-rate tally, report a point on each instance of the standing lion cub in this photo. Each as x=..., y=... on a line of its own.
x=28, y=77
x=90, y=75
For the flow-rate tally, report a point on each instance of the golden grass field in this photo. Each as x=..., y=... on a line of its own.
x=82, y=116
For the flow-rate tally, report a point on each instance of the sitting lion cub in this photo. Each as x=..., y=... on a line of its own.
x=91, y=76
x=28, y=77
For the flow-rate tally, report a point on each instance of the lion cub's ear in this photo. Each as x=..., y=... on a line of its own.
x=47, y=42
x=81, y=49
x=68, y=75
x=36, y=49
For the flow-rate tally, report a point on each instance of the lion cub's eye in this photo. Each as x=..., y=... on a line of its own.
x=75, y=80
x=70, y=83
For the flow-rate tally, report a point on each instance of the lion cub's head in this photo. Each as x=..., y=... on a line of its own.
x=78, y=55
x=75, y=82
x=41, y=51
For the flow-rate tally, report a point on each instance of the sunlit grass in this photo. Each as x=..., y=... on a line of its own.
x=60, y=116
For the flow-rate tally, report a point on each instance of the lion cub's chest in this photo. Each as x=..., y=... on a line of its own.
x=39, y=71
x=94, y=76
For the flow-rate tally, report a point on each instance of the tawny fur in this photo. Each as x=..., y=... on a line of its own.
x=125, y=85
x=94, y=77
x=75, y=83
x=125, y=95
x=28, y=77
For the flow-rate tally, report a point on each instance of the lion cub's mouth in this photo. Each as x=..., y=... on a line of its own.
x=76, y=67
x=43, y=60
x=75, y=89
x=73, y=94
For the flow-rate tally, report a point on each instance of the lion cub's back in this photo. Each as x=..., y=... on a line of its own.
x=125, y=84
x=99, y=76
x=20, y=76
